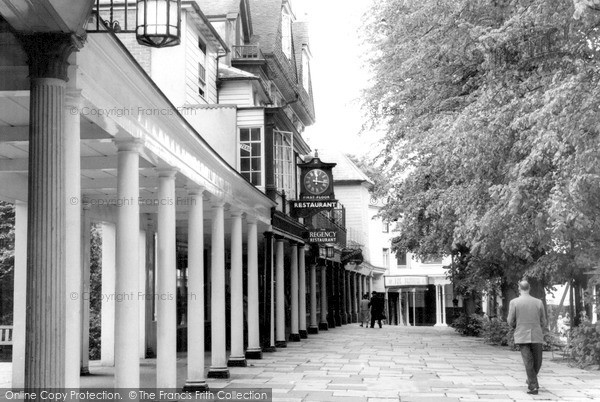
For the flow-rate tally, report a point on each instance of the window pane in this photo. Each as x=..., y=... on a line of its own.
x=244, y=134
x=255, y=164
x=255, y=134
x=245, y=165
x=255, y=149
x=244, y=151
x=256, y=179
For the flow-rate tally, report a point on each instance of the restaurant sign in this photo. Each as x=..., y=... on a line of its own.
x=405, y=281
x=321, y=236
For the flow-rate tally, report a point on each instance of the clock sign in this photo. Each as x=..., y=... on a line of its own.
x=316, y=180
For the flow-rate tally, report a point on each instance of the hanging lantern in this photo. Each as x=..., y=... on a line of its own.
x=158, y=23
x=330, y=251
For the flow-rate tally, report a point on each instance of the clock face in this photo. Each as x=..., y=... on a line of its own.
x=316, y=181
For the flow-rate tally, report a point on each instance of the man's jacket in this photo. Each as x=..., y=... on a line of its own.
x=526, y=314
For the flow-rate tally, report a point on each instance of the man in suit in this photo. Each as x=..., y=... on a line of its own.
x=527, y=316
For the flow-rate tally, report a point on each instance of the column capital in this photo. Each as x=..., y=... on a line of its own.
x=48, y=53
x=129, y=144
x=196, y=190
x=235, y=212
x=250, y=218
x=168, y=172
x=279, y=238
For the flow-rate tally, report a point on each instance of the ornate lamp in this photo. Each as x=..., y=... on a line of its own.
x=330, y=251
x=158, y=23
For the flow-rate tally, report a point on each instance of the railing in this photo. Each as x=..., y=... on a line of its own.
x=114, y=15
x=247, y=52
x=6, y=334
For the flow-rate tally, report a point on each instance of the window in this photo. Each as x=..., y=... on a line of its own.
x=401, y=258
x=432, y=260
x=386, y=257
x=201, y=68
x=286, y=35
x=284, y=162
x=251, y=155
x=385, y=227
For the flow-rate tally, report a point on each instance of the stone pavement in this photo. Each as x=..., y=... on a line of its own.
x=390, y=364
x=405, y=364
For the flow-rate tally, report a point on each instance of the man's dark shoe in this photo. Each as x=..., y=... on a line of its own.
x=533, y=392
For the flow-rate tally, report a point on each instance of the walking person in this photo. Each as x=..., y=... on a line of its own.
x=364, y=310
x=527, y=316
x=376, y=304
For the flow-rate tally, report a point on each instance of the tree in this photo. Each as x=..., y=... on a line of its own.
x=7, y=262
x=492, y=143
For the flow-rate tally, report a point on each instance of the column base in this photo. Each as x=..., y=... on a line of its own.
x=323, y=326
x=269, y=349
x=294, y=338
x=255, y=354
x=84, y=371
x=195, y=385
x=236, y=362
x=313, y=330
x=344, y=319
x=440, y=325
x=354, y=318
x=303, y=334
x=218, y=372
x=280, y=344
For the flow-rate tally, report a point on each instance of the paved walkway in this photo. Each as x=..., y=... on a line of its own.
x=391, y=364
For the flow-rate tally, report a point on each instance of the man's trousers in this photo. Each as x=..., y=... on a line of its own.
x=532, y=358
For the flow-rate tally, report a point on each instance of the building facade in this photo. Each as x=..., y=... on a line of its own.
x=186, y=158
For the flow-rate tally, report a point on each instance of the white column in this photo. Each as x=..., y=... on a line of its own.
x=294, y=334
x=107, y=310
x=414, y=297
x=237, y=358
x=323, y=323
x=72, y=240
x=302, y=292
x=444, y=305
x=254, y=350
x=218, y=368
x=127, y=362
x=354, y=277
x=370, y=284
x=142, y=294
x=166, y=289
x=280, y=296
x=195, y=358
x=314, y=327
x=19, y=298
x=85, y=288
x=361, y=290
x=406, y=308
x=438, y=310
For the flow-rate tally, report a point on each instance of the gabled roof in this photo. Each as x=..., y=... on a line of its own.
x=346, y=170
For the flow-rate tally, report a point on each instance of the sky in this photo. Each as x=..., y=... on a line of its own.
x=338, y=73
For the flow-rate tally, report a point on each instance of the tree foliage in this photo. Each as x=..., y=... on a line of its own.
x=492, y=143
x=7, y=261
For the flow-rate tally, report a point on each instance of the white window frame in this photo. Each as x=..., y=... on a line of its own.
x=283, y=160
x=262, y=156
x=286, y=34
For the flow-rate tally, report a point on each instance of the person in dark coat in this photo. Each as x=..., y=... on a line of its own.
x=376, y=304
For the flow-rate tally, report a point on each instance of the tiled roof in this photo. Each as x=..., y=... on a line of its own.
x=300, y=30
x=266, y=17
x=345, y=169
